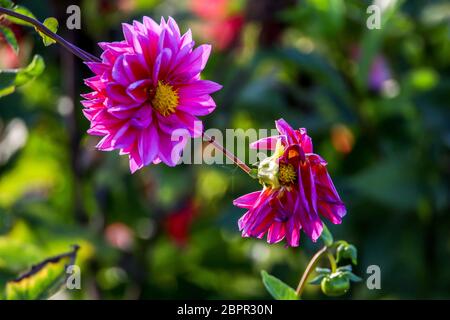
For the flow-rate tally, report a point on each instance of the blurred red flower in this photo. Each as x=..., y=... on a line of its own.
x=220, y=25
x=178, y=223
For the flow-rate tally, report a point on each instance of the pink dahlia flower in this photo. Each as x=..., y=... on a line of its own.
x=297, y=188
x=146, y=87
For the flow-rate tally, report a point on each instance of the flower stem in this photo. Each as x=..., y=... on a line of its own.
x=332, y=260
x=308, y=270
x=228, y=154
x=43, y=29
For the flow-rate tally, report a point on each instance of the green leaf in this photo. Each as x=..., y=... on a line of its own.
x=344, y=268
x=323, y=270
x=10, y=38
x=7, y=91
x=277, y=288
x=25, y=12
x=326, y=236
x=7, y=79
x=347, y=251
x=15, y=255
x=353, y=277
x=10, y=79
x=34, y=69
x=52, y=24
x=6, y=4
x=43, y=280
x=318, y=279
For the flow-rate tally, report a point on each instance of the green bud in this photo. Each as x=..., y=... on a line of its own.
x=326, y=236
x=335, y=285
x=347, y=251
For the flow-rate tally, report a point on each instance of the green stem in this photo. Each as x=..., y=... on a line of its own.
x=43, y=29
x=308, y=270
x=333, y=263
x=228, y=154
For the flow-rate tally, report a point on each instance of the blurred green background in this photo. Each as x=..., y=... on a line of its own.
x=375, y=102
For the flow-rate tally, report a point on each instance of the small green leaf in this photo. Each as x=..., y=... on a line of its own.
x=25, y=12
x=6, y=4
x=277, y=288
x=7, y=91
x=10, y=79
x=317, y=280
x=353, y=277
x=43, y=280
x=10, y=38
x=326, y=236
x=345, y=268
x=7, y=86
x=347, y=251
x=323, y=270
x=52, y=24
x=34, y=69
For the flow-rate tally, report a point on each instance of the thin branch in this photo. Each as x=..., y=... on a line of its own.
x=308, y=270
x=43, y=29
x=228, y=154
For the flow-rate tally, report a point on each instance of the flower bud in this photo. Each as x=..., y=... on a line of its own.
x=268, y=168
x=347, y=251
x=335, y=285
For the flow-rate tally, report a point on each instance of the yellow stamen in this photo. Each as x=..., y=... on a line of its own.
x=165, y=100
x=287, y=174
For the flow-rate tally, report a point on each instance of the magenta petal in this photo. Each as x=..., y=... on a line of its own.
x=329, y=202
x=117, y=95
x=148, y=145
x=293, y=233
x=268, y=143
x=305, y=141
x=276, y=232
x=138, y=90
x=191, y=123
x=247, y=201
x=167, y=152
x=119, y=73
x=198, y=88
x=151, y=25
x=128, y=32
x=142, y=118
x=134, y=69
x=97, y=67
x=200, y=106
x=135, y=160
x=195, y=62
x=161, y=65
x=306, y=205
x=285, y=129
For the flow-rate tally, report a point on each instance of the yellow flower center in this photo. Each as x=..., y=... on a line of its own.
x=165, y=99
x=287, y=174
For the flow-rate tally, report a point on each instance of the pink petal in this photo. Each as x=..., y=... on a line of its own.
x=148, y=145
x=268, y=143
x=247, y=201
x=198, y=88
x=200, y=106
